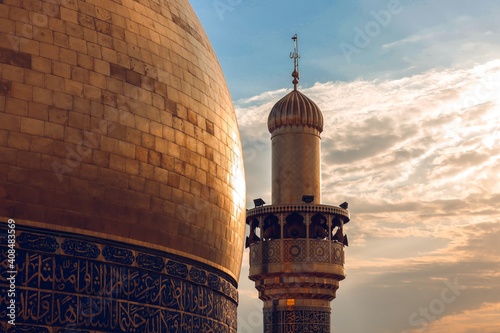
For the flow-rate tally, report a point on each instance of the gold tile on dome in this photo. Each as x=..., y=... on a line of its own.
x=141, y=90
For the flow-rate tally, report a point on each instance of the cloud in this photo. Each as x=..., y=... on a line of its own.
x=409, y=40
x=483, y=319
x=405, y=277
x=360, y=148
x=418, y=160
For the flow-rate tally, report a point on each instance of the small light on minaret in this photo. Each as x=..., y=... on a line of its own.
x=296, y=243
x=308, y=198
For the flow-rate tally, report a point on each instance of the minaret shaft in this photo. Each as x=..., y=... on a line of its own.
x=296, y=168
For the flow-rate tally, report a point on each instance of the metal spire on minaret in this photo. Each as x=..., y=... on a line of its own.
x=295, y=56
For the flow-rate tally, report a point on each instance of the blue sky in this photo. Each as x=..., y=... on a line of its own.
x=411, y=141
x=252, y=38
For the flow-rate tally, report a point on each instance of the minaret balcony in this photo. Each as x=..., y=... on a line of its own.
x=297, y=239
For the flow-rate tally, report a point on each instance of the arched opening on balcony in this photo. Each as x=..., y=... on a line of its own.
x=318, y=229
x=254, y=232
x=336, y=229
x=294, y=226
x=271, y=228
x=337, y=233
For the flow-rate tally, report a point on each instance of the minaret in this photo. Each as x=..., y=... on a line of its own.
x=297, y=243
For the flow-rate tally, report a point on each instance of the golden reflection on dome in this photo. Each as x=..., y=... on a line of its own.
x=238, y=183
x=169, y=175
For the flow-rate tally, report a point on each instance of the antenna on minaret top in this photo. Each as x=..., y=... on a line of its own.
x=295, y=56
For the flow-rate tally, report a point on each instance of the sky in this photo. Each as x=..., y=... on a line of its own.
x=410, y=94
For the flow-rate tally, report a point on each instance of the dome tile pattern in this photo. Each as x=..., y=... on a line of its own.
x=116, y=122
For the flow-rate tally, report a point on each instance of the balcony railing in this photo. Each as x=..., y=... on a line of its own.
x=279, y=251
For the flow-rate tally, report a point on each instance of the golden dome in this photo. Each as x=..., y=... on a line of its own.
x=116, y=122
x=295, y=109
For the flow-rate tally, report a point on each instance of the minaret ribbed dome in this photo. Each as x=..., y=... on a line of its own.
x=295, y=109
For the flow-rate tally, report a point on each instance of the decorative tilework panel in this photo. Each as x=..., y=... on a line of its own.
x=318, y=250
x=337, y=253
x=294, y=250
x=297, y=320
x=256, y=254
x=65, y=285
x=271, y=251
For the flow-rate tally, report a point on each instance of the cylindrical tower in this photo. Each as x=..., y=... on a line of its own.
x=296, y=244
x=295, y=123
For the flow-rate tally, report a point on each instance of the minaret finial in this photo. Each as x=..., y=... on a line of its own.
x=295, y=56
